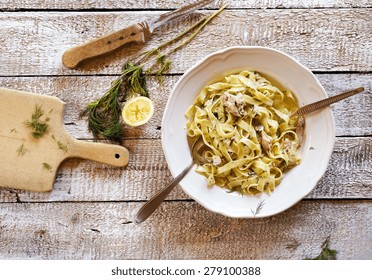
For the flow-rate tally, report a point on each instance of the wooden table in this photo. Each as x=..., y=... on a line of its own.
x=89, y=214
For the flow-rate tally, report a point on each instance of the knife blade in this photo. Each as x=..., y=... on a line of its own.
x=139, y=33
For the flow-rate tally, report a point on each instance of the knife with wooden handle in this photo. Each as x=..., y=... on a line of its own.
x=139, y=33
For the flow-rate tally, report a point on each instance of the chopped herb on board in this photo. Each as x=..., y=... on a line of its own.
x=21, y=150
x=46, y=166
x=104, y=113
x=38, y=127
x=60, y=145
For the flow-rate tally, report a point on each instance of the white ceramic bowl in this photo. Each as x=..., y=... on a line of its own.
x=315, y=151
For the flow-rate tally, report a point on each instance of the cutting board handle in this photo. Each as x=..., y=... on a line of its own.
x=100, y=152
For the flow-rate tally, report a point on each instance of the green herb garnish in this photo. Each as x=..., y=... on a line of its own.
x=21, y=150
x=37, y=126
x=60, y=145
x=258, y=208
x=104, y=113
x=326, y=253
x=46, y=166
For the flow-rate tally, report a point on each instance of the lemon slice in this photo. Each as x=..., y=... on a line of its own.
x=138, y=111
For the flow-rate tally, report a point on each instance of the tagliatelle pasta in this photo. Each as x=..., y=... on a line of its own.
x=247, y=123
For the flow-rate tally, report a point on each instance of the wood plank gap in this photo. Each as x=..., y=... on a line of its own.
x=341, y=72
x=168, y=74
x=354, y=136
x=155, y=138
x=83, y=75
x=187, y=200
x=103, y=10
x=124, y=139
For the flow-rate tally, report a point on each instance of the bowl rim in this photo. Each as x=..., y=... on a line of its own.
x=324, y=164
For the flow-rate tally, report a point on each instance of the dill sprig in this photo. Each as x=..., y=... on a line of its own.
x=326, y=253
x=37, y=126
x=46, y=166
x=133, y=79
x=21, y=150
x=104, y=113
x=163, y=66
x=258, y=208
x=201, y=25
x=60, y=145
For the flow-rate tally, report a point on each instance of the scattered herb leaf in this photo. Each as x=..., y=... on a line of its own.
x=37, y=126
x=13, y=130
x=21, y=150
x=60, y=145
x=326, y=253
x=258, y=208
x=46, y=166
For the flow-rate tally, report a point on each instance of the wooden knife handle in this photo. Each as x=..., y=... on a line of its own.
x=135, y=33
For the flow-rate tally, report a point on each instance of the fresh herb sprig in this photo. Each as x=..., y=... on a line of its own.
x=21, y=150
x=326, y=253
x=104, y=113
x=38, y=127
x=46, y=166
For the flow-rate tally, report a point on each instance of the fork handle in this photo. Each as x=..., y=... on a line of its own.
x=325, y=102
x=153, y=204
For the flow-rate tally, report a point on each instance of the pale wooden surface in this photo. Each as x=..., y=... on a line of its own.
x=89, y=213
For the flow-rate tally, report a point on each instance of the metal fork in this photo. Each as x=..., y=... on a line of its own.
x=197, y=154
x=307, y=109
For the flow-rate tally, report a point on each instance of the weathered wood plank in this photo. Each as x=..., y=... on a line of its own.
x=322, y=39
x=353, y=116
x=348, y=176
x=182, y=230
x=172, y=4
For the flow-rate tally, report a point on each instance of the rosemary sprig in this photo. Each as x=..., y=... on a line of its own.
x=326, y=253
x=104, y=113
x=37, y=126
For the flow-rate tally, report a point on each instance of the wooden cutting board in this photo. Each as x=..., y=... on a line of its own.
x=31, y=163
